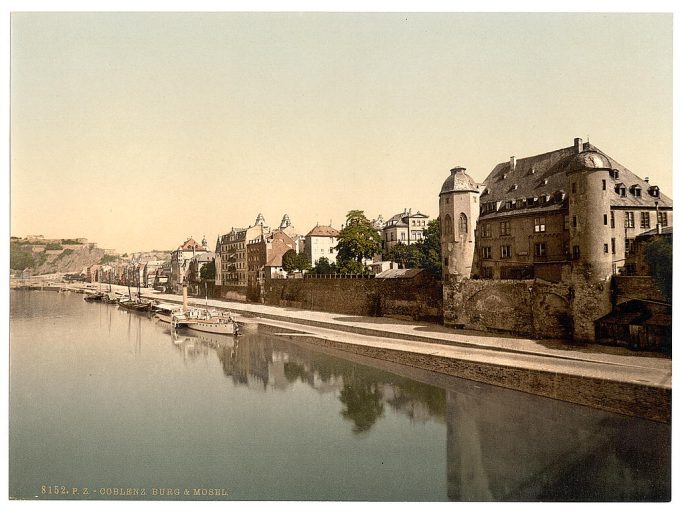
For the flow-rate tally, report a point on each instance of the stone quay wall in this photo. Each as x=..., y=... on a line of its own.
x=402, y=298
x=520, y=307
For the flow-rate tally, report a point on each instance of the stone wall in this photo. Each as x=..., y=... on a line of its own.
x=231, y=292
x=406, y=298
x=520, y=307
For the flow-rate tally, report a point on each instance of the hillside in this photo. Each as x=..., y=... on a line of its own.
x=52, y=257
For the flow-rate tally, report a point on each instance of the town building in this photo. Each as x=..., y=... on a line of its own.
x=571, y=204
x=402, y=228
x=569, y=217
x=193, y=274
x=320, y=242
x=179, y=262
x=231, y=260
x=265, y=256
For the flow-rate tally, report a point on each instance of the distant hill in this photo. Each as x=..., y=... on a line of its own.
x=47, y=256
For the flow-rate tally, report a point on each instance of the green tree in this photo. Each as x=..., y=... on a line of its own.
x=406, y=255
x=302, y=262
x=431, y=248
x=19, y=259
x=659, y=255
x=362, y=402
x=323, y=266
x=208, y=271
x=357, y=240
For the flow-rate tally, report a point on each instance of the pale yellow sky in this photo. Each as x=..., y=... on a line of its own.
x=138, y=130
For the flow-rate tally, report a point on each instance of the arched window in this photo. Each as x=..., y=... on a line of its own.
x=462, y=224
x=448, y=225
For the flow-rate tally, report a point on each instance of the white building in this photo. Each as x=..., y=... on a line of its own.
x=321, y=242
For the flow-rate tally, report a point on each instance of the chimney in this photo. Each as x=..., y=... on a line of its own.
x=457, y=169
x=513, y=163
x=578, y=145
x=647, y=179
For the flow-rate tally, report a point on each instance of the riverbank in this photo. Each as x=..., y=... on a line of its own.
x=612, y=379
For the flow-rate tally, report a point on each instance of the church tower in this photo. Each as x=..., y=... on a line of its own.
x=458, y=214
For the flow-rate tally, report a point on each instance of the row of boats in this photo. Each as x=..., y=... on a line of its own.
x=208, y=320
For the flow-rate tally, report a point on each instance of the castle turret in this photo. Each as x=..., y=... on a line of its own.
x=589, y=211
x=458, y=214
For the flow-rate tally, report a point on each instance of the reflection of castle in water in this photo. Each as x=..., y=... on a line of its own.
x=505, y=445
x=501, y=444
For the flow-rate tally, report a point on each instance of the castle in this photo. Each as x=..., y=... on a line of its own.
x=569, y=217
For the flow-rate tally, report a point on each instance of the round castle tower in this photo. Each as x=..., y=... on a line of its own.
x=589, y=214
x=458, y=214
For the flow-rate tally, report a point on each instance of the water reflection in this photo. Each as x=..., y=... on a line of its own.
x=294, y=413
x=262, y=361
x=500, y=444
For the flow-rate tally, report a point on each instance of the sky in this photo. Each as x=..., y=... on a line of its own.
x=138, y=130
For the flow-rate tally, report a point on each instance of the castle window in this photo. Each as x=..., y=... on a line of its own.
x=486, y=230
x=566, y=222
x=576, y=252
x=487, y=273
x=644, y=220
x=462, y=224
x=573, y=221
x=486, y=252
x=611, y=215
x=573, y=187
x=539, y=249
x=606, y=248
x=448, y=225
x=505, y=227
x=662, y=218
x=505, y=252
x=539, y=224
x=629, y=221
x=604, y=185
x=613, y=246
x=605, y=220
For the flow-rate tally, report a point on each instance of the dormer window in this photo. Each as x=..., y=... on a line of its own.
x=614, y=173
x=531, y=201
x=513, y=187
x=545, y=181
x=654, y=191
x=505, y=175
x=559, y=196
x=620, y=189
x=635, y=190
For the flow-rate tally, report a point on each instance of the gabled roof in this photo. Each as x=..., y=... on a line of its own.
x=323, y=231
x=547, y=174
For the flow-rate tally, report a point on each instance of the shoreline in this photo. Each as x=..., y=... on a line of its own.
x=616, y=380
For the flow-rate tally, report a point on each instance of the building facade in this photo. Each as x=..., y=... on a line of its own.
x=231, y=253
x=402, y=228
x=321, y=242
x=179, y=262
x=573, y=205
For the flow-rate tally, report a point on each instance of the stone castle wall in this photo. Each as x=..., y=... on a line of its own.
x=419, y=298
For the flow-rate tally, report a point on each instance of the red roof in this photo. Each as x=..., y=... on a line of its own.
x=323, y=231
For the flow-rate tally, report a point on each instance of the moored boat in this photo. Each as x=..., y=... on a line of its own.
x=206, y=320
x=96, y=296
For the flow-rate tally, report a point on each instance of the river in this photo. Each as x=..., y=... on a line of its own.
x=107, y=404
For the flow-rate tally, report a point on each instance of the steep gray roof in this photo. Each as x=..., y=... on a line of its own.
x=459, y=181
x=546, y=175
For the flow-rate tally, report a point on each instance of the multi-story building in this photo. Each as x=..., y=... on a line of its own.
x=267, y=252
x=321, y=242
x=150, y=270
x=193, y=273
x=179, y=261
x=231, y=260
x=567, y=205
x=404, y=227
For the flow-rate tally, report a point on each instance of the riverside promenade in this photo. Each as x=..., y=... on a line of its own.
x=609, y=378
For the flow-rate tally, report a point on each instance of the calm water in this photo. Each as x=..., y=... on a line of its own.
x=107, y=400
